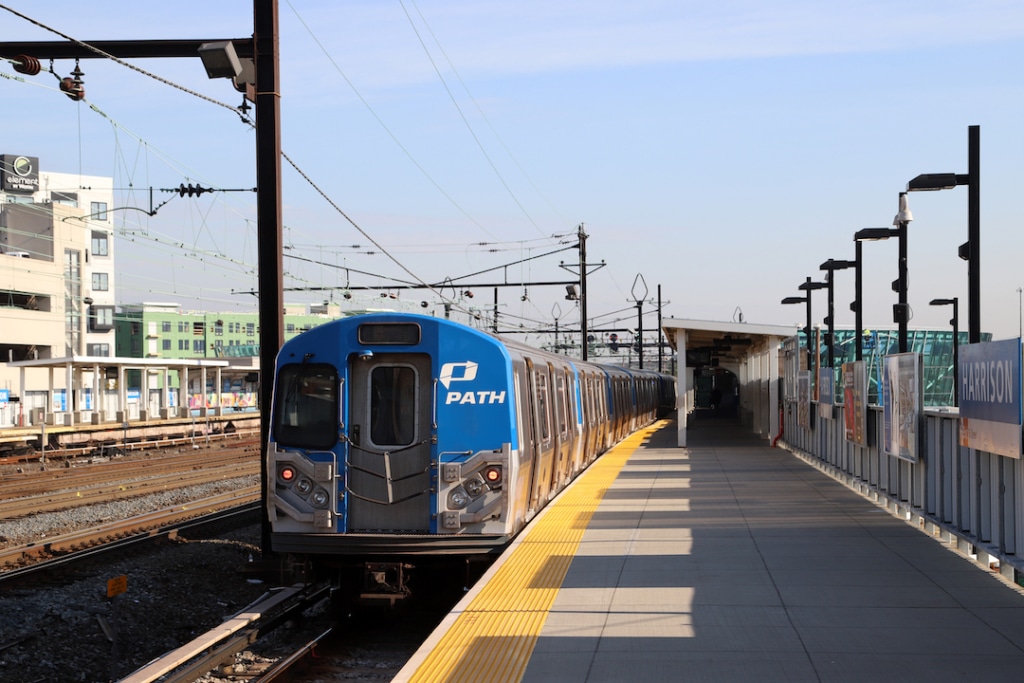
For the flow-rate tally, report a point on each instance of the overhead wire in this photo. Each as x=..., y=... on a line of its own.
x=383, y=125
x=462, y=116
x=249, y=121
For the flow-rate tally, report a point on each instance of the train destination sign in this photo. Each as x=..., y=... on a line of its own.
x=990, y=397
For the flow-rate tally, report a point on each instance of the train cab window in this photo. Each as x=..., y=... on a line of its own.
x=392, y=405
x=306, y=406
x=542, y=406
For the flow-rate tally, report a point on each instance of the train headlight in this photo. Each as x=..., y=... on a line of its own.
x=474, y=487
x=458, y=499
x=492, y=475
x=304, y=486
x=286, y=474
x=320, y=498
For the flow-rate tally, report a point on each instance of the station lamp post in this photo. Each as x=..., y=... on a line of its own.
x=955, y=322
x=859, y=237
x=831, y=266
x=970, y=250
x=901, y=311
x=639, y=292
x=806, y=286
x=803, y=300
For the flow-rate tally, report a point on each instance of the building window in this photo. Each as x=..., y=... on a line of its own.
x=166, y=344
x=65, y=198
x=100, y=243
x=165, y=326
x=183, y=344
x=218, y=328
x=98, y=350
x=198, y=346
x=182, y=327
x=100, y=282
x=250, y=329
x=101, y=319
x=98, y=211
x=290, y=328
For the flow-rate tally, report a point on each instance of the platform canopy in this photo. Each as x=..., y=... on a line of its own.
x=749, y=351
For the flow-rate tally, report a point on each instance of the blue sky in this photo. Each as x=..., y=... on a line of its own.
x=721, y=150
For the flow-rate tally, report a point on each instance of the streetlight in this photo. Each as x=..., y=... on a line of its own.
x=864, y=235
x=901, y=311
x=831, y=266
x=970, y=250
x=639, y=299
x=803, y=300
x=955, y=322
x=806, y=286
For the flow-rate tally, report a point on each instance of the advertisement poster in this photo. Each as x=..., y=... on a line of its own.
x=901, y=405
x=826, y=391
x=990, y=401
x=803, y=398
x=855, y=402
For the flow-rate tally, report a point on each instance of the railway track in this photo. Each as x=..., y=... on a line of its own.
x=28, y=493
x=76, y=544
x=216, y=649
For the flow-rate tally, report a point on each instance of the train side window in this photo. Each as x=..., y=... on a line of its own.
x=392, y=405
x=563, y=403
x=542, y=406
x=306, y=406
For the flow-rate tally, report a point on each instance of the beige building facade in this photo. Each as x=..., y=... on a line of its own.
x=57, y=280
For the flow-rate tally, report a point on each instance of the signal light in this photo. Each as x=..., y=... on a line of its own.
x=286, y=474
x=492, y=475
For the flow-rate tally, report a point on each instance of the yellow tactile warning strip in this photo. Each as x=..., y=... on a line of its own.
x=492, y=639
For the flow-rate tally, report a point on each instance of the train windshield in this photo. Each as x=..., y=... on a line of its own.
x=306, y=406
x=392, y=406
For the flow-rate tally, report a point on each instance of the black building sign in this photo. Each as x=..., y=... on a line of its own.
x=20, y=173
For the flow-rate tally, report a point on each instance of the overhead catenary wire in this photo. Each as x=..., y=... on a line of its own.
x=465, y=121
x=389, y=252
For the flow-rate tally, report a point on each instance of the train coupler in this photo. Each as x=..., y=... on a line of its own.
x=386, y=581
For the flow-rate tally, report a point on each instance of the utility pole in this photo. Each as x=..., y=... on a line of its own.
x=661, y=337
x=494, y=326
x=583, y=269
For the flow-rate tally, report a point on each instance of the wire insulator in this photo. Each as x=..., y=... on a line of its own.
x=24, y=64
x=190, y=191
x=73, y=90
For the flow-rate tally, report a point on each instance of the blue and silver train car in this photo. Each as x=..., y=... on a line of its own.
x=396, y=436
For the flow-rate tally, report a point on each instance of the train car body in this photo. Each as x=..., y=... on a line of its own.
x=395, y=436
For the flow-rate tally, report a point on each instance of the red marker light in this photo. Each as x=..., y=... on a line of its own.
x=286, y=474
x=493, y=475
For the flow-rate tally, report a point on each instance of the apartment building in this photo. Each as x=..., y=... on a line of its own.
x=57, y=274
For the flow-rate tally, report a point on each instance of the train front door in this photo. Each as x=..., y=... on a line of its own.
x=389, y=454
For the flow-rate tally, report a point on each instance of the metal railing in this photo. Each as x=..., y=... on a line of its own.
x=971, y=499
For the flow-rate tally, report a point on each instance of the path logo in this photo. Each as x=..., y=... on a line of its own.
x=457, y=372
x=466, y=372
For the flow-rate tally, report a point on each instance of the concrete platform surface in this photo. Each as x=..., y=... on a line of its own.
x=733, y=561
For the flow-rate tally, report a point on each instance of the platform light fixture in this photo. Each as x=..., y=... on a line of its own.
x=955, y=322
x=830, y=267
x=970, y=250
x=901, y=310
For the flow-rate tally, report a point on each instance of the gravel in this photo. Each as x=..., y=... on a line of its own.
x=69, y=630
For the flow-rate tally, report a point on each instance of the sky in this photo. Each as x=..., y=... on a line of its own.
x=719, y=151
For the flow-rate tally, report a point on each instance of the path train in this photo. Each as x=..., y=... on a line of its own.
x=398, y=438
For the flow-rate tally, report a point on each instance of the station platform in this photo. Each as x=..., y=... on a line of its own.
x=726, y=560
